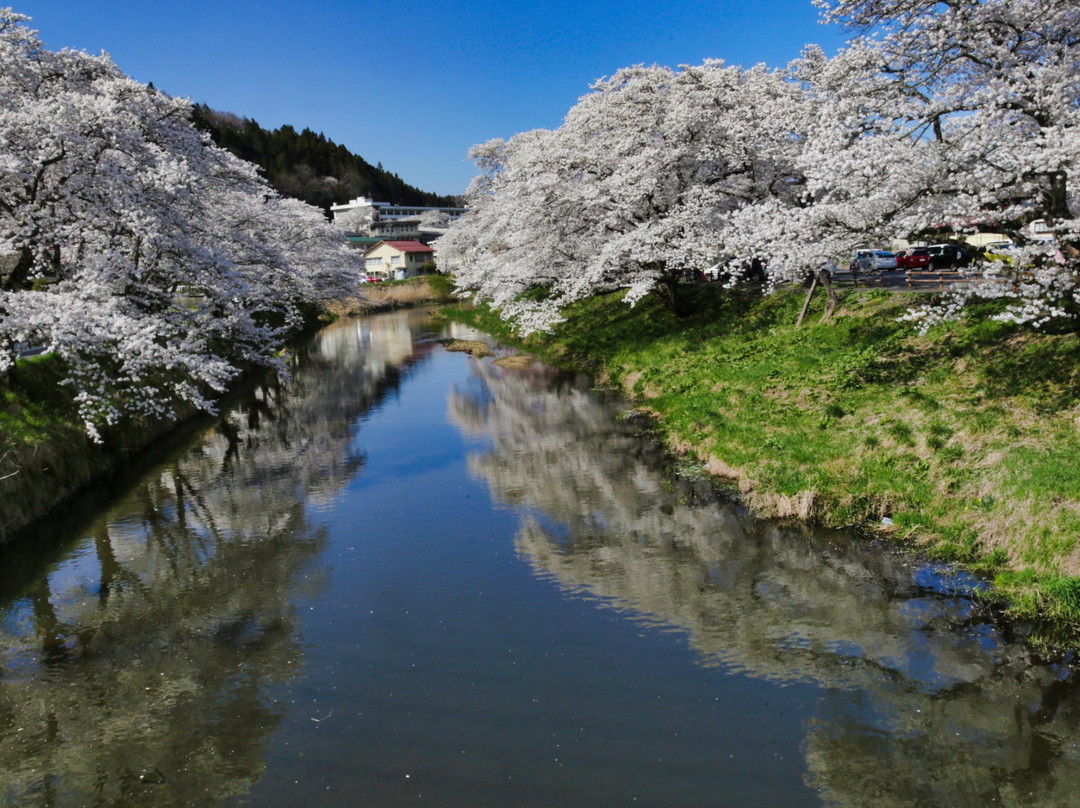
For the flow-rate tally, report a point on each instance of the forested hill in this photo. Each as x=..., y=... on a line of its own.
x=307, y=166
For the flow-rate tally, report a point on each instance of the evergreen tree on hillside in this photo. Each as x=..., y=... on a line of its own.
x=307, y=166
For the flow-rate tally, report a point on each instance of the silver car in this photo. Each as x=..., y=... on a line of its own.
x=873, y=260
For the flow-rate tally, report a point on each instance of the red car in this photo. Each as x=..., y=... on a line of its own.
x=913, y=258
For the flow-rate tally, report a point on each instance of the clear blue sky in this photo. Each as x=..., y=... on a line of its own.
x=412, y=84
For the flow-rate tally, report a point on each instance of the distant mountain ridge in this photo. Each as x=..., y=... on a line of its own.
x=308, y=166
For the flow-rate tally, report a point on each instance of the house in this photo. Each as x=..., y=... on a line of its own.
x=1039, y=230
x=982, y=240
x=396, y=260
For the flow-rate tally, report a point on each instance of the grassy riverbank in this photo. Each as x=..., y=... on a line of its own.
x=392, y=295
x=966, y=440
x=45, y=455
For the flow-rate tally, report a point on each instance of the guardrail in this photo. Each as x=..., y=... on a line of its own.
x=852, y=277
x=927, y=278
x=24, y=349
x=939, y=278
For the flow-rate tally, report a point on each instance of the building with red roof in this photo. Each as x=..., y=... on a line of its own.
x=396, y=260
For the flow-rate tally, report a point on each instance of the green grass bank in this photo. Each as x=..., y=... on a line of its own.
x=46, y=457
x=45, y=454
x=965, y=440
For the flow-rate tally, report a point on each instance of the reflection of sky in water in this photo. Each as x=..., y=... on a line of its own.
x=947, y=581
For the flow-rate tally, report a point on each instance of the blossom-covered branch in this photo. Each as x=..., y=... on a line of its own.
x=112, y=204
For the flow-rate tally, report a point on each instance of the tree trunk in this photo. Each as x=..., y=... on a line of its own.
x=830, y=293
x=822, y=277
x=806, y=303
x=18, y=279
x=1056, y=196
x=670, y=291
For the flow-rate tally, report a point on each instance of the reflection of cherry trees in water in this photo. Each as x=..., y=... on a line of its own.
x=924, y=700
x=143, y=668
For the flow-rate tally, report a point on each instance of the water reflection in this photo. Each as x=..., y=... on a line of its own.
x=925, y=700
x=154, y=657
x=145, y=663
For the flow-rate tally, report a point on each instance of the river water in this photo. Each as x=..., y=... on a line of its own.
x=412, y=577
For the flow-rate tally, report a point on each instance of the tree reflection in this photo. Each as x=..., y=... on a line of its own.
x=925, y=700
x=146, y=666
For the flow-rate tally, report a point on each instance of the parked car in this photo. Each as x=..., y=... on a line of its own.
x=948, y=256
x=872, y=261
x=913, y=258
x=1001, y=251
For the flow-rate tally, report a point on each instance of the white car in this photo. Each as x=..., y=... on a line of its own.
x=873, y=260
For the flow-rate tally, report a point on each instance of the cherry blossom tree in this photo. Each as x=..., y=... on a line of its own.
x=508, y=220
x=936, y=118
x=991, y=90
x=357, y=219
x=434, y=220
x=855, y=178
x=113, y=203
x=630, y=191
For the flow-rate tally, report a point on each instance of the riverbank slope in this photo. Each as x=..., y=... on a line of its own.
x=964, y=440
x=45, y=454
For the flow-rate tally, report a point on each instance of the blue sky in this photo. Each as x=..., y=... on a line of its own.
x=412, y=84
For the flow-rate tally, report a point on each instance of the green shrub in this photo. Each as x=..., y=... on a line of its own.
x=441, y=286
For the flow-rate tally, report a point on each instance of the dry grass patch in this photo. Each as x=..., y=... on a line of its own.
x=721, y=470
x=516, y=361
x=345, y=306
x=469, y=346
x=784, y=506
x=397, y=295
x=376, y=297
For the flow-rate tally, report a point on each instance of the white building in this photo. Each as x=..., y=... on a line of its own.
x=358, y=215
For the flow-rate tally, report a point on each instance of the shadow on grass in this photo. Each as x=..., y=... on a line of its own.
x=34, y=404
x=1044, y=371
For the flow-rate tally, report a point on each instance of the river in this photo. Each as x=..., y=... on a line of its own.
x=408, y=576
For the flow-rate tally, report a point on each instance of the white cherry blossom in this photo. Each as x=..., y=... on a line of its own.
x=112, y=204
